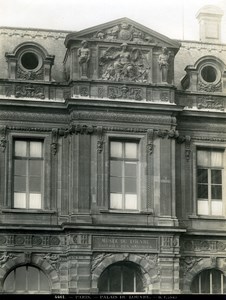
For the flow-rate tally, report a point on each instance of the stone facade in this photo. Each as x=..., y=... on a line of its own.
x=119, y=81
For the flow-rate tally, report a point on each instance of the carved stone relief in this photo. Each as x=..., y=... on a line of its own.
x=123, y=64
x=209, y=87
x=30, y=75
x=203, y=246
x=100, y=140
x=5, y=257
x=3, y=139
x=29, y=91
x=189, y=262
x=209, y=102
x=125, y=92
x=29, y=240
x=124, y=32
x=52, y=259
x=54, y=142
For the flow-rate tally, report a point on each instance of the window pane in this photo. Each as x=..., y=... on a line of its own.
x=216, y=192
x=35, y=201
x=130, y=169
x=216, y=281
x=203, y=208
x=128, y=279
x=116, y=168
x=19, y=200
x=216, y=159
x=9, y=282
x=116, y=149
x=216, y=176
x=130, y=201
x=36, y=149
x=131, y=150
x=21, y=279
x=131, y=185
x=20, y=148
x=19, y=184
x=203, y=158
x=35, y=168
x=205, y=282
x=116, y=201
x=116, y=185
x=202, y=175
x=19, y=167
x=103, y=282
x=32, y=279
x=216, y=207
x=224, y=285
x=44, y=282
x=139, y=283
x=203, y=191
x=34, y=184
x=115, y=279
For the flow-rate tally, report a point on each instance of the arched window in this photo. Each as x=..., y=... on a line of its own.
x=210, y=281
x=26, y=280
x=122, y=277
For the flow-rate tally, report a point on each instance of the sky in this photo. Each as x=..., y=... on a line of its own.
x=173, y=18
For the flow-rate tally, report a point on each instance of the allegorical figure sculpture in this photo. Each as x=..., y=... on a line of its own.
x=163, y=61
x=84, y=57
x=123, y=64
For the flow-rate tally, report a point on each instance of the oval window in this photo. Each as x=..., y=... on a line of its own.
x=29, y=60
x=209, y=74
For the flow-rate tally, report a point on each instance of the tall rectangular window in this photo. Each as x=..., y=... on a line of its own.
x=209, y=182
x=28, y=174
x=124, y=175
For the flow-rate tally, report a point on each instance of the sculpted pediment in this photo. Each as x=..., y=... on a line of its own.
x=121, y=51
x=123, y=30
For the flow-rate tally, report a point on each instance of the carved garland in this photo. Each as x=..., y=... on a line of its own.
x=3, y=140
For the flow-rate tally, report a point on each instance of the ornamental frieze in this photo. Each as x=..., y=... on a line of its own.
x=210, y=102
x=203, y=246
x=125, y=92
x=29, y=91
x=29, y=240
x=123, y=64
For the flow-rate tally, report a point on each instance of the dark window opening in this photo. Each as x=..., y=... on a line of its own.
x=209, y=74
x=29, y=61
x=121, y=278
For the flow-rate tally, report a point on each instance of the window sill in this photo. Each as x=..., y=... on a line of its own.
x=204, y=217
x=28, y=211
x=126, y=212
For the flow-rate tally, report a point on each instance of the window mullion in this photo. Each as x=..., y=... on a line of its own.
x=209, y=191
x=123, y=176
x=27, y=175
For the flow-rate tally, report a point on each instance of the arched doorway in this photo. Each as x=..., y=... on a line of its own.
x=122, y=277
x=210, y=281
x=26, y=279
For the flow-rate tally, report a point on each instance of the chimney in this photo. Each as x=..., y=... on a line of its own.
x=209, y=18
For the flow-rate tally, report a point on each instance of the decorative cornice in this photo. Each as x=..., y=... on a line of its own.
x=33, y=33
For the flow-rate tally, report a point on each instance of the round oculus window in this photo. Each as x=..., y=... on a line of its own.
x=209, y=74
x=29, y=60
